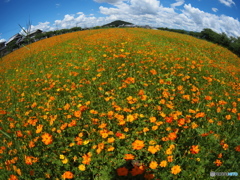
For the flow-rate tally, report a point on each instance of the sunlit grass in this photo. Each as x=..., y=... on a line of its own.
x=119, y=104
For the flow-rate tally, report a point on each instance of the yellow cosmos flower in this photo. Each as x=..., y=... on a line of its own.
x=85, y=142
x=65, y=161
x=82, y=167
x=152, y=142
x=71, y=144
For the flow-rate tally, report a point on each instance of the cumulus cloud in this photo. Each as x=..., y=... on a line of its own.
x=222, y=23
x=2, y=40
x=177, y=3
x=43, y=26
x=228, y=3
x=46, y=26
x=214, y=9
x=80, y=20
x=149, y=12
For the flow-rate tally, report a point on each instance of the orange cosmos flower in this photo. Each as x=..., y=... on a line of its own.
x=170, y=158
x=86, y=158
x=3, y=112
x=19, y=134
x=221, y=102
x=237, y=148
x=122, y=171
x=130, y=118
x=66, y=107
x=67, y=175
x=145, y=129
x=129, y=157
x=39, y=128
x=154, y=149
x=29, y=160
x=181, y=122
x=153, y=165
x=149, y=176
x=52, y=98
x=77, y=114
x=208, y=98
x=130, y=80
x=187, y=97
x=163, y=163
x=154, y=128
x=153, y=71
x=111, y=140
x=152, y=119
x=234, y=110
x=176, y=169
x=180, y=87
x=220, y=155
x=200, y=114
x=13, y=177
x=47, y=138
x=168, y=119
x=137, y=144
x=137, y=170
x=141, y=92
x=225, y=146
x=34, y=105
x=118, y=134
x=194, y=125
x=195, y=149
x=111, y=148
x=172, y=136
x=218, y=162
x=228, y=117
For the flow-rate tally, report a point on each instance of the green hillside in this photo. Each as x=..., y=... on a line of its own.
x=117, y=23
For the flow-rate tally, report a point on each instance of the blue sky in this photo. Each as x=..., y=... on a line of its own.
x=193, y=15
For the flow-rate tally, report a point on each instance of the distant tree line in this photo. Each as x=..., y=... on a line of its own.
x=56, y=32
x=231, y=43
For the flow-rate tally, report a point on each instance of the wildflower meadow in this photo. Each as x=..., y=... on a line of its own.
x=119, y=104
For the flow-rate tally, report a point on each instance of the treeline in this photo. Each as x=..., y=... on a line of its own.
x=231, y=43
x=56, y=32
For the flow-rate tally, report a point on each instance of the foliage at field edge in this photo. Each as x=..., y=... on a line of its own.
x=119, y=104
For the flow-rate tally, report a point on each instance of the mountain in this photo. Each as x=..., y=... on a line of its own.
x=117, y=23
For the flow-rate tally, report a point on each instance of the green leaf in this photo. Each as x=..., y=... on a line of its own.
x=131, y=86
x=5, y=134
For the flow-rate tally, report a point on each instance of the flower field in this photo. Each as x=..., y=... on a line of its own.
x=116, y=104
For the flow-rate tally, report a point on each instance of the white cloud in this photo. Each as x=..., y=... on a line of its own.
x=149, y=12
x=177, y=3
x=222, y=23
x=228, y=3
x=2, y=40
x=43, y=26
x=214, y=9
